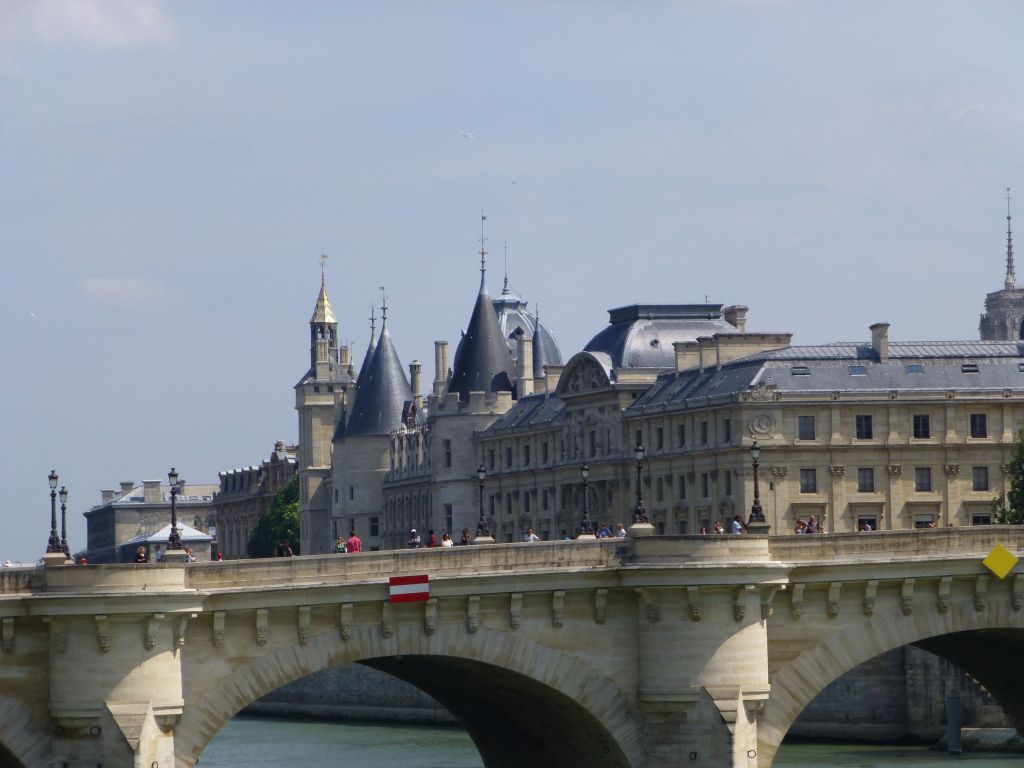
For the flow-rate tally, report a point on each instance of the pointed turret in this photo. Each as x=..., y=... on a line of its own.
x=482, y=360
x=323, y=332
x=384, y=392
x=365, y=368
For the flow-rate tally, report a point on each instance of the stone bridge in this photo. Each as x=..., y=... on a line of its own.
x=658, y=651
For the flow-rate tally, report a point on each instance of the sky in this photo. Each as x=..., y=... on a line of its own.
x=172, y=172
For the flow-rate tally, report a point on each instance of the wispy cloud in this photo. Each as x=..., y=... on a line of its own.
x=121, y=290
x=88, y=23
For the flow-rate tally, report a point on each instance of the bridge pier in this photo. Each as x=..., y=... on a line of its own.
x=703, y=664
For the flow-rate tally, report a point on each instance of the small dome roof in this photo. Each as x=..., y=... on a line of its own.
x=642, y=335
x=514, y=318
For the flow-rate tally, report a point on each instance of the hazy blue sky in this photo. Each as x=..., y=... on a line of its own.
x=171, y=172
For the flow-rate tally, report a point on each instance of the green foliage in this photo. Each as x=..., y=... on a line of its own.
x=280, y=522
x=1009, y=507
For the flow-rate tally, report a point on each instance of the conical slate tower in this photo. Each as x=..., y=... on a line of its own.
x=368, y=358
x=482, y=360
x=382, y=394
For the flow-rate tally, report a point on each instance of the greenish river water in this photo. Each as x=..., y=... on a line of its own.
x=266, y=743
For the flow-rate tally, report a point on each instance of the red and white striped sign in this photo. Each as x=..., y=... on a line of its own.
x=409, y=589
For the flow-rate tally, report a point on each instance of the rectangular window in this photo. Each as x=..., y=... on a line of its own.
x=448, y=518
x=375, y=526
x=979, y=478
x=922, y=479
x=727, y=430
x=544, y=452
x=526, y=502
x=447, y=453
x=728, y=482
x=593, y=443
x=800, y=370
x=508, y=457
x=508, y=503
x=808, y=480
x=703, y=433
x=639, y=438
x=922, y=426
x=681, y=435
x=490, y=459
x=526, y=455
x=865, y=428
x=914, y=368
x=659, y=439
x=704, y=487
x=682, y=487
x=335, y=495
x=857, y=370
x=351, y=492
x=661, y=489
x=805, y=427
x=681, y=527
x=981, y=518
x=979, y=425
x=544, y=499
x=491, y=504
x=865, y=480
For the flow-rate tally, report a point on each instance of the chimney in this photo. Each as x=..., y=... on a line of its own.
x=880, y=341
x=705, y=345
x=736, y=316
x=687, y=354
x=345, y=361
x=416, y=381
x=126, y=487
x=525, y=365
x=108, y=495
x=440, y=367
x=151, y=491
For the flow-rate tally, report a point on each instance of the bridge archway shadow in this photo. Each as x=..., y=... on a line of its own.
x=521, y=703
x=989, y=655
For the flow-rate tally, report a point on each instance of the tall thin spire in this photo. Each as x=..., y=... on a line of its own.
x=373, y=324
x=383, y=309
x=483, y=253
x=323, y=265
x=1010, y=277
x=505, y=287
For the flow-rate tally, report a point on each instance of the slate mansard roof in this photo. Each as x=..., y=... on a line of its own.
x=851, y=367
x=642, y=335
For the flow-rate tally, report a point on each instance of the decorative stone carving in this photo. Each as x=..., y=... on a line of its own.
x=345, y=620
x=837, y=470
x=953, y=470
x=262, y=629
x=152, y=630
x=600, y=606
x=907, y=597
x=693, y=598
x=7, y=635
x=387, y=625
x=833, y=598
x=942, y=602
x=473, y=613
x=739, y=606
x=303, y=624
x=179, y=629
x=981, y=593
x=651, y=608
x=870, y=592
x=796, y=601
x=895, y=470
x=893, y=394
x=515, y=610
x=767, y=595
x=1007, y=469
x=103, y=632
x=780, y=472
x=558, y=609
x=430, y=616
x=218, y=629
x=761, y=424
x=762, y=392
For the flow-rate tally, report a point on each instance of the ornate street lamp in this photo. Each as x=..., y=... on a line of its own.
x=756, y=513
x=174, y=540
x=586, y=527
x=639, y=511
x=63, y=493
x=53, y=545
x=483, y=531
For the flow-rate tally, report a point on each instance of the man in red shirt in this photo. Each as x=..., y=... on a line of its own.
x=354, y=543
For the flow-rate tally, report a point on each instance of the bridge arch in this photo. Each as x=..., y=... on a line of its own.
x=24, y=739
x=506, y=690
x=957, y=635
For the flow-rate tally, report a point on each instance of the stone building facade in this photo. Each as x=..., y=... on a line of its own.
x=246, y=493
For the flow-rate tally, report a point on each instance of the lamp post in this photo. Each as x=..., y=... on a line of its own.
x=483, y=531
x=174, y=539
x=53, y=545
x=586, y=527
x=639, y=511
x=756, y=513
x=63, y=493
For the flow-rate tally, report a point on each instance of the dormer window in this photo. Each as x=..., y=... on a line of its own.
x=800, y=370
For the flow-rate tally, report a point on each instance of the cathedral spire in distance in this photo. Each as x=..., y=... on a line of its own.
x=1011, y=280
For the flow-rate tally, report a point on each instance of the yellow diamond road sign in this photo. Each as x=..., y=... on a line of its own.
x=1000, y=561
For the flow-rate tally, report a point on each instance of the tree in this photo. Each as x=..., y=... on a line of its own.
x=279, y=522
x=1009, y=507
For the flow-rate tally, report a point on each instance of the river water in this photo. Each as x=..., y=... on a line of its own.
x=267, y=743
